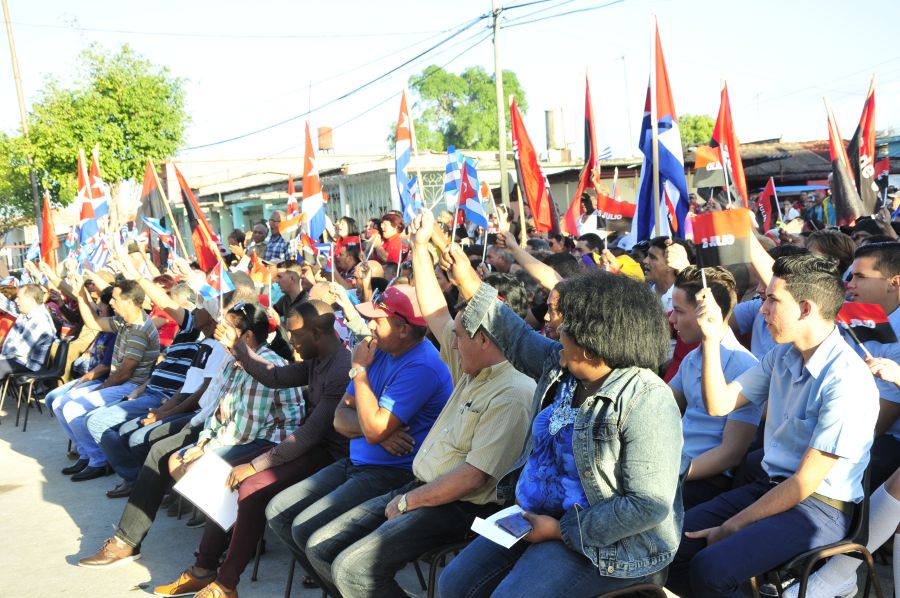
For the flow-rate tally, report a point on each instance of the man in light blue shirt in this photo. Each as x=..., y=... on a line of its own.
x=875, y=278
x=712, y=445
x=822, y=408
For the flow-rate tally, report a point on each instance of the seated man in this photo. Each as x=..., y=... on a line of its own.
x=822, y=407
x=480, y=436
x=292, y=283
x=28, y=341
x=398, y=387
x=165, y=381
x=712, y=445
x=135, y=353
x=312, y=446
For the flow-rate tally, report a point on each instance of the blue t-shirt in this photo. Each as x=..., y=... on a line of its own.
x=749, y=319
x=550, y=484
x=102, y=351
x=703, y=431
x=414, y=387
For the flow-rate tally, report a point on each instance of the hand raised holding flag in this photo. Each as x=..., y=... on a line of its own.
x=709, y=318
x=422, y=228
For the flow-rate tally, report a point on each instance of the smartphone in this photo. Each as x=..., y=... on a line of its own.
x=516, y=525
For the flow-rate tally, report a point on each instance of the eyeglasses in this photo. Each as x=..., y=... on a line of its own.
x=378, y=302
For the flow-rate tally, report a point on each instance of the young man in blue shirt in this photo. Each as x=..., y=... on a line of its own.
x=398, y=386
x=822, y=407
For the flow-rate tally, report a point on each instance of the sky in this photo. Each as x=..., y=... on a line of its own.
x=249, y=65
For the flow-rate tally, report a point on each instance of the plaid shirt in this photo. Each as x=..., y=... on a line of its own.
x=276, y=248
x=30, y=337
x=249, y=411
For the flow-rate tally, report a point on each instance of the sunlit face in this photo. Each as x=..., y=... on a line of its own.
x=387, y=332
x=274, y=222
x=343, y=229
x=655, y=264
x=24, y=301
x=781, y=311
x=259, y=234
x=468, y=347
x=121, y=306
x=868, y=285
x=285, y=279
x=387, y=229
x=684, y=317
x=552, y=319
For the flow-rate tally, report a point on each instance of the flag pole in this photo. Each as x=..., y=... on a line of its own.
x=654, y=128
x=523, y=235
x=165, y=202
x=332, y=261
x=777, y=203
x=415, y=150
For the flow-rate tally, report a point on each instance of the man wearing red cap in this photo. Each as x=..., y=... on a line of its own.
x=398, y=386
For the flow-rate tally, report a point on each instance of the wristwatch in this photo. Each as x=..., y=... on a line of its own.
x=401, y=506
x=354, y=372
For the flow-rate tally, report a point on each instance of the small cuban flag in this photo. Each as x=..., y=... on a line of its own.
x=324, y=251
x=217, y=282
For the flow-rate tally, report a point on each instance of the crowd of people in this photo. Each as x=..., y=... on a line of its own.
x=657, y=422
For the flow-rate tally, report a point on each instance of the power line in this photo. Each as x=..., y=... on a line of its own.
x=562, y=14
x=226, y=35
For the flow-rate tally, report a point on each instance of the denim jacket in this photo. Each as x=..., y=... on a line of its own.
x=627, y=444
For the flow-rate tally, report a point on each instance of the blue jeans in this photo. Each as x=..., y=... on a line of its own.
x=295, y=513
x=59, y=391
x=73, y=408
x=720, y=569
x=361, y=551
x=104, y=426
x=547, y=569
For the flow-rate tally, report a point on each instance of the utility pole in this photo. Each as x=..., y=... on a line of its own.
x=501, y=106
x=35, y=197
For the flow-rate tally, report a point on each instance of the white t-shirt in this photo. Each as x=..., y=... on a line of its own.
x=217, y=358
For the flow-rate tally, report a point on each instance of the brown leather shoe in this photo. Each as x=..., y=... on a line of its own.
x=214, y=590
x=113, y=553
x=187, y=584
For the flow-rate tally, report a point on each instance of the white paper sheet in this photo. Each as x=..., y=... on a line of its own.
x=204, y=485
x=488, y=528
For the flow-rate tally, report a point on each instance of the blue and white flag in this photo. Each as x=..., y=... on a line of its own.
x=451, y=178
x=34, y=252
x=468, y=195
x=164, y=234
x=410, y=203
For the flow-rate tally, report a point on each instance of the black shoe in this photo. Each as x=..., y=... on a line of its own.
x=123, y=490
x=91, y=473
x=198, y=520
x=76, y=467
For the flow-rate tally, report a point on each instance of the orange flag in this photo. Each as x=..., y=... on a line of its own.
x=49, y=240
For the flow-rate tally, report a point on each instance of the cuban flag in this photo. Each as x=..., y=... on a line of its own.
x=325, y=255
x=451, y=178
x=217, y=283
x=313, y=206
x=72, y=238
x=34, y=252
x=672, y=209
x=100, y=255
x=165, y=235
x=99, y=191
x=410, y=203
x=468, y=195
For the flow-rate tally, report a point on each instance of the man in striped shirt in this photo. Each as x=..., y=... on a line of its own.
x=167, y=379
x=135, y=353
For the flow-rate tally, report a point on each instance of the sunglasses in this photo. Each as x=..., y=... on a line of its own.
x=378, y=302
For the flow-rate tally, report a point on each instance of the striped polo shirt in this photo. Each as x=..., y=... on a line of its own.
x=169, y=375
x=139, y=342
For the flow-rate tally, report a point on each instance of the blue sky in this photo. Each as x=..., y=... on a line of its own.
x=245, y=71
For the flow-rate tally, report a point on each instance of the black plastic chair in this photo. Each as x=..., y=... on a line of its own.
x=436, y=558
x=54, y=369
x=853, y=545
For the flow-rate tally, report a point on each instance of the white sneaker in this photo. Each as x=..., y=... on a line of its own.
x=817, y=588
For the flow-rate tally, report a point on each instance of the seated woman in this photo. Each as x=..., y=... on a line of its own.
x=600, y=488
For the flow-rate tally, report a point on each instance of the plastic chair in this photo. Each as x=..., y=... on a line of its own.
x=54, y=369
x=855, y=542
x=436, y=558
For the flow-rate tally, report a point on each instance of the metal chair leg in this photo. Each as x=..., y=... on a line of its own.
x=3, y=393
x=19, y=404
x=259, y=546
x=28, y=404
x=290, y=579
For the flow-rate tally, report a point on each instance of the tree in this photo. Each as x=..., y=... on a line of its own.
x=459, y=110
x=132, y=108
x=696, y=129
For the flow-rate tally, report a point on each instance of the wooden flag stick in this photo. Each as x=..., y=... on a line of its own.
x=165, y=201
x=654, y=129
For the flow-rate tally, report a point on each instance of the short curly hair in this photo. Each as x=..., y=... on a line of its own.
x=616, y=318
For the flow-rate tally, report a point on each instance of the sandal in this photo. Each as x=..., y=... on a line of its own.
x=214, y=590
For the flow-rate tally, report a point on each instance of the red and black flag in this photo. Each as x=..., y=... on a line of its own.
x=867, y=321
x=882, y=170
x=768, y=212
x=610, y=209
x=725, y=140
x=205, y=244
x=531, y=177
x=861, y=153
x=845, y=197
x=152, y=207
x=576, y=208
x=723, y=238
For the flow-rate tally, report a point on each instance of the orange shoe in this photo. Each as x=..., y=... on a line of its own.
x=187, y=584
x=214, y=590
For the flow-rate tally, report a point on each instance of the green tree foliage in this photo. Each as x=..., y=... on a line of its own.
x=459, y=110
x=696, y=129
x=132, y=108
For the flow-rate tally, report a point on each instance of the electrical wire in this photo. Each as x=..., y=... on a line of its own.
x=562, y=14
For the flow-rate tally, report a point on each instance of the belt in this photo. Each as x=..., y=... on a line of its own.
x=840, y=505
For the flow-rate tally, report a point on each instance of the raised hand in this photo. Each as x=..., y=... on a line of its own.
x=421, y=228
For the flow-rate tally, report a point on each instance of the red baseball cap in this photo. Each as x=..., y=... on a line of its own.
x=398, y=301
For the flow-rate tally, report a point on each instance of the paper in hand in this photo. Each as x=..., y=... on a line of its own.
x=205, y=486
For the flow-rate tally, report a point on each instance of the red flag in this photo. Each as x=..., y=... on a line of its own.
x=533, y=183
x=722, y=238
x=49, y=240
x=861, y=154
x=205, y=244
x=768, y=210
x=868, y=321
x=259, y=272
x=576, y=208
x=610, y=209
x=725, y=140
x=845, y=197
